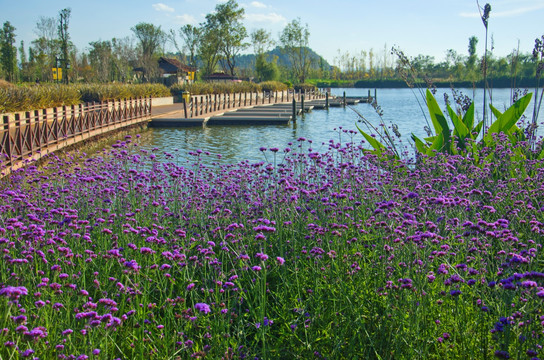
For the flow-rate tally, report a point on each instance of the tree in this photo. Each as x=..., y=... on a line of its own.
x=191, y=36
x=124, y=57
x=262, y=42
x=8, y=52
x=231, y=31
x=210, y=44
x=26, y=71
x=64, y=38
x=295, y=40
x=44, y=49
x=266, y=71
x=151, y=38
x=471, y=60
x=101, y=60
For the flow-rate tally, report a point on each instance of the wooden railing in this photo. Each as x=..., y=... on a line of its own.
x=205, y=104
x=32, y=134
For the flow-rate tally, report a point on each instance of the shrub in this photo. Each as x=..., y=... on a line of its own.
x=204, y=88
x=23, y=98
x=305, y=87
x=273, y=86
x=6, y=84
x=29, y=96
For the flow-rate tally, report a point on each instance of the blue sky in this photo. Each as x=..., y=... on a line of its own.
x=428, y=27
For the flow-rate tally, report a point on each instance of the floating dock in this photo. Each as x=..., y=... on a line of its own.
x=264, y=114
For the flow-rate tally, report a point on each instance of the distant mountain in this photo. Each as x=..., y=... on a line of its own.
x=248, y=60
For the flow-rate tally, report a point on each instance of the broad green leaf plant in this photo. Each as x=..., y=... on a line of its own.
x=462, y=135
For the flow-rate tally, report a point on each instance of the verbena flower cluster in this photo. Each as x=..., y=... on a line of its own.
x=329, y=254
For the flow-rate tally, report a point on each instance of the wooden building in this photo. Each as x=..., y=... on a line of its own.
x=174, y=72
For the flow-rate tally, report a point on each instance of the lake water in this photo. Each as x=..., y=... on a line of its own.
x=238, y=143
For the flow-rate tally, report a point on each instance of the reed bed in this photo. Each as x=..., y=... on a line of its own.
x=29, y=97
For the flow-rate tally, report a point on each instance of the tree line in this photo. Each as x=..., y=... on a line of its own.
x=391, y=64
x=217, y=44
x=213, y=45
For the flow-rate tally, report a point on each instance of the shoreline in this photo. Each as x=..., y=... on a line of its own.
x=499, y=83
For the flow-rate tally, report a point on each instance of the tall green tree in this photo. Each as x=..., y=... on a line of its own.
x=125, y=55
x=232, y=33
x=151, y=39
x=8, y=51
x=64, y=39
x=295, y=42
x=45, y=48
x=262, y=42
x=101, y=60
x=472, y=57
x=210, y=44
x=191, y=36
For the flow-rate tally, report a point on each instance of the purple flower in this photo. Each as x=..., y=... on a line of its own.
x=202, y=307
x=13, y=292
x=502, y=354
x=256, y=268
x=455, y=292
x=280, y=260
x=27, y=353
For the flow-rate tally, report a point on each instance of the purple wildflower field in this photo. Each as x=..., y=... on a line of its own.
x=332, y=254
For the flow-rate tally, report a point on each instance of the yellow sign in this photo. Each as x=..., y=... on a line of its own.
x=191, y=75
x=57, y=73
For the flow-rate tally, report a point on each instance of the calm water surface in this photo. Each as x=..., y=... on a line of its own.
x=238, y=143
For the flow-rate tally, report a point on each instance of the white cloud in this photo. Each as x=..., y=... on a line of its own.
x=185, y=19
x=258, y=4
x=266, y=18
x=162, y=7
x=505, y=13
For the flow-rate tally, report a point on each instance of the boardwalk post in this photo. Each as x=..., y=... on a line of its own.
x=327, y=100
x=294, y=109
x=184, y=107
x=302, y=103
x=368, y=95
x=375, y=95
x=344, y=99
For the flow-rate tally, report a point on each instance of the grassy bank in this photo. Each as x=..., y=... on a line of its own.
x=128, y=255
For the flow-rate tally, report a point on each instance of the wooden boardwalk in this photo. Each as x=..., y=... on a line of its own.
x=264, y=114
x=28, y=136
x=237, y=109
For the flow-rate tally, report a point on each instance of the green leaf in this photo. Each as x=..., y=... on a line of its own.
x=378, y=146
x=439, y=120
x=495, y=112
x=437, y=145
x=509, y=118
x=477, y=129
x=430, y=139
x=468, y=119
x=420, y=145
x=541, y=155
x=461, y=130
